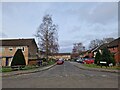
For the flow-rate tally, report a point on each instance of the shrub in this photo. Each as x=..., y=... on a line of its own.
x=107, y=57
x=44, y=63
x=44, y=59
x=18, y=59
x=112, y=60
x=97, y=58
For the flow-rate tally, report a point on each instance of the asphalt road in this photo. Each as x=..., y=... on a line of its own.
x=63, y=76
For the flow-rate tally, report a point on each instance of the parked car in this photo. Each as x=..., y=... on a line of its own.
x=59, y=62
x=80, y=60
x=88, y=61
x=77, y=60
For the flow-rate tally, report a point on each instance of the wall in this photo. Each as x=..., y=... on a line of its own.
x=116, y=53
x=33, y=50
x=33, y=62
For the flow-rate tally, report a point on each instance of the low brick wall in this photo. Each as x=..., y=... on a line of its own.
x=33, y=62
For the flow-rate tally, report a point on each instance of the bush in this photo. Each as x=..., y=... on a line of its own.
x=97, y=58
x=44, y=63
x=44, y=59
x=107, y=57
x=112, y=60
x=51, y=61
x=18, y=60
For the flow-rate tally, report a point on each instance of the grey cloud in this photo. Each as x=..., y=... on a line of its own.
x=104, y=13
x=96, y=12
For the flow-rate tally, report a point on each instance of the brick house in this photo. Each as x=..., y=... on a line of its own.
x=84, y=54
x=114, y=48
x=10, y=46
x=100, y=48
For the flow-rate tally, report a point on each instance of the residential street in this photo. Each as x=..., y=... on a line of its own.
x=63, y=76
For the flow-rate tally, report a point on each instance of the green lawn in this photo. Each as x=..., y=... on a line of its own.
x=51, y=62
x=5, y=69
x=95, y=66
x=9, y=69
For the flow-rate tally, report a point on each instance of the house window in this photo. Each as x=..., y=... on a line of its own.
x=22, y=48
x=10, y=49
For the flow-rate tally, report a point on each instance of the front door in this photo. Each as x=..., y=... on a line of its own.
x=7, y=61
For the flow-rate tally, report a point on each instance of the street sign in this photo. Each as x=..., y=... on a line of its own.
x=103, y=62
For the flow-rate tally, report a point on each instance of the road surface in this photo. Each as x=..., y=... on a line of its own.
x=63, y=76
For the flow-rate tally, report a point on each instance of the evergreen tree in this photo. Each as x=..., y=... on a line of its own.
x=18, y=59
x=107, y=56
x=98, y=57
x=112, y=60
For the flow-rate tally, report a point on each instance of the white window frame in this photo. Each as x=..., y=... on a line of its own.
x=10, y=49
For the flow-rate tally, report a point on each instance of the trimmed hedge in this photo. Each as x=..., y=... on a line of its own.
x=18, y=59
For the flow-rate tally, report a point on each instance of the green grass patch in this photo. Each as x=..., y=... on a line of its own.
x=9, y=69
x=29, y=67
x=51, y=62
x=91, y=65
x=6, y=69
x=96, y=66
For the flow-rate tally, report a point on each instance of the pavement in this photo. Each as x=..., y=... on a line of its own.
x=78, y=65
x=6, y=74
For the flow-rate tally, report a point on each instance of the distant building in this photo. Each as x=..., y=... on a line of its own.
x=75, y=55
x=10, y=46
x=65, y=56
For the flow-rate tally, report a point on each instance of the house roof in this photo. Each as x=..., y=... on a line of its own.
x=17, y=42
x=100, y=47
x=83, y=52
x=114, y=43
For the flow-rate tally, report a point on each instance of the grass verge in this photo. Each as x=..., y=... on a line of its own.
x=96, y=66
x=5, y=69
x=28, y=67
x=9, y=69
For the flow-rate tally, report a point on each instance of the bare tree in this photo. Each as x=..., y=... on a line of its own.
x=47, y=36
x=95, y=43
x=98, y=42
x=107, y=40
x=78, y=47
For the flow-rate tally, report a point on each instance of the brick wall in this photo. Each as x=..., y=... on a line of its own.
x=115, y=50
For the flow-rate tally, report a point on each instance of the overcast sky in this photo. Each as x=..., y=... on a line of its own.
x=77, y=21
